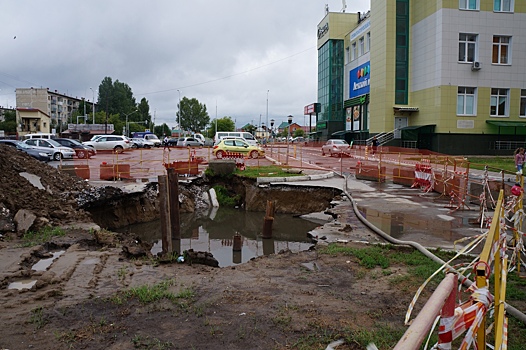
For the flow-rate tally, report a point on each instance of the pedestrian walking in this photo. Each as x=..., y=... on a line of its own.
x=519, y=159
x=375, y=144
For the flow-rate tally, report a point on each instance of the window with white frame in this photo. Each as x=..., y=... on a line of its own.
x=353, y=51
x=503, y=5
x=501, y=49
x=468, y=4
x=368, y=43
x=466, y=100
x=467, y=47
x=361, y=47
x=522, y=111
x=499, y=102
x=347, y=55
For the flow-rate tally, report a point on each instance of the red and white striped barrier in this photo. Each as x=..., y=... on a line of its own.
x=423, y=175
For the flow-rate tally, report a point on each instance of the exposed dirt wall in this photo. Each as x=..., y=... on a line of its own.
x=123, y=209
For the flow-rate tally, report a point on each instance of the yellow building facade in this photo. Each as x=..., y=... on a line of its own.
x=448, y=76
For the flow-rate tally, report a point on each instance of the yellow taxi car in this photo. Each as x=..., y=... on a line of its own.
x=226, y=146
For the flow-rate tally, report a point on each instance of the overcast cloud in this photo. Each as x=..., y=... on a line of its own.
x=225, y=53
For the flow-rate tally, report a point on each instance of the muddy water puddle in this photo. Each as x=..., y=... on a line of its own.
x=43, y=264
x=22, y=284
x=215, y=233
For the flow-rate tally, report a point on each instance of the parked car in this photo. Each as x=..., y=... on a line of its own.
x=35, y=153
x=335, y=146
x=38, y=135
x=233, y=138
x=238, y=146
x=48, y=145
x=141, y=143
x=115, y=143
x=148, y=135
x=189, y=142
x=171, y=142
x=298, y=139
x=82, y=151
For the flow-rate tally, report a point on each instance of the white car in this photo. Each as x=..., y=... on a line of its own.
x=51, y=146
x=141, y=143
x=115, y=143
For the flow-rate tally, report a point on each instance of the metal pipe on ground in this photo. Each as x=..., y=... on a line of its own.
x=416, y=333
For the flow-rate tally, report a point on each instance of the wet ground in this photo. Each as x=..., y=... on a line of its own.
x=407, y=213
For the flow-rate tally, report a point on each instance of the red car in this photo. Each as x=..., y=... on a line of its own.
x=81, y=151
x=335, y=146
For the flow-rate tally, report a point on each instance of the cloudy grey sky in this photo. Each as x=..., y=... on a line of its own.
x=225, y=53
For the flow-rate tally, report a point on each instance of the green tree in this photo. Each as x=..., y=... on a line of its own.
x=162, y=130
x=298, y=133
x=192, y=115
x=251, y=129
x=9, y=124
x=143, y=111
x=115, y=97
x=223, y=124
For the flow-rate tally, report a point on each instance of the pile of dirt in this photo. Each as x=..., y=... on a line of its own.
x=34, y=194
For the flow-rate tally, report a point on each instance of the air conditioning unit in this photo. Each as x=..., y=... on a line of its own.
x=476, y=65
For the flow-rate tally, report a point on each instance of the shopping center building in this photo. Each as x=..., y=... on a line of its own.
x=448, y=76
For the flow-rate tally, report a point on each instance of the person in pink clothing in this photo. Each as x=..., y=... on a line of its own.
x=519, y=159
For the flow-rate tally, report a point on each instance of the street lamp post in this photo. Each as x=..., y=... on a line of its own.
x=141, y=122
x=289, y=119
x=271, y=134
x=267, y=107
x=127, y=124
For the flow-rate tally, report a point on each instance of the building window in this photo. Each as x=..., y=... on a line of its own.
x=402, y=52
x=353, y=51
x=368, y=43
x=467, y=47
x=522, y=112
x=466, y=101
x=347, y=55
x=501, y=49
x=499, y=103
x=361, y=48
x=503, y=5
x=468, y=4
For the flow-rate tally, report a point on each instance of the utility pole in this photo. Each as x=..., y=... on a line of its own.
x=267, y=108
x=93, y=105
x=179, y=112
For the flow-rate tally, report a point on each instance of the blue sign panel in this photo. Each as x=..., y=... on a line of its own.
x=359, y=80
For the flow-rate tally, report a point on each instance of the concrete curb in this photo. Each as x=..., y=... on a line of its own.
x=261, y=180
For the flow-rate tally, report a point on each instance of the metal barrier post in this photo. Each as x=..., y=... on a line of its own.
x=482, y=267
x=500, y=317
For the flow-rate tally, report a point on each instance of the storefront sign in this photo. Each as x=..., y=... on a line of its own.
x=360, y=79
x=323, y=30
x=311, y=109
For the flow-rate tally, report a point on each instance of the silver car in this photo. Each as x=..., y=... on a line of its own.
x=189, y=142
x=48, y=145
x=141, y=143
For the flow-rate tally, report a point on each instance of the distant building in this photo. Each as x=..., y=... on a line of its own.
x=447, y=76
x=58, y=107
x=55, y=114
x=31, y=121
